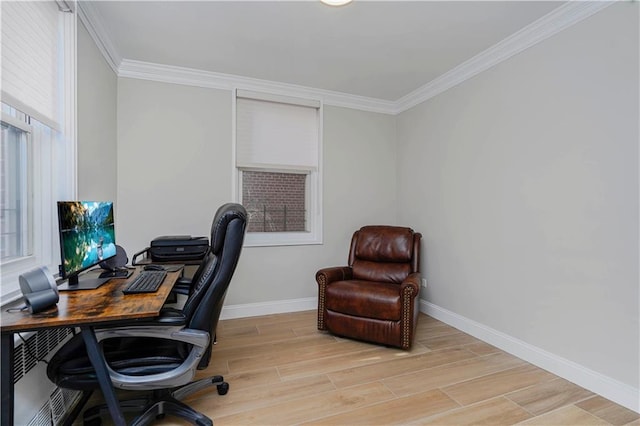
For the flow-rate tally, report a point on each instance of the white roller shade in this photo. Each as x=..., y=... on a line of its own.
x=31, y=59
x=276, y=135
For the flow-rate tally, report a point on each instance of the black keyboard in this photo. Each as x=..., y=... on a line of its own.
x=145, y=282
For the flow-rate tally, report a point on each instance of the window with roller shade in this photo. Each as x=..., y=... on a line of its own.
x=278, y=155
x=15, y=191
x=38, y=134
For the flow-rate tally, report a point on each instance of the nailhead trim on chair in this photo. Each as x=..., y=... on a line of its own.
x=407, y=316
x=322, y=287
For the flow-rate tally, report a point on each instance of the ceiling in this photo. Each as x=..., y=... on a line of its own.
x=375, y=49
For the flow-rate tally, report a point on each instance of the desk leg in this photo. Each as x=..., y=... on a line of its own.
x=6, y=379
x=95, y=355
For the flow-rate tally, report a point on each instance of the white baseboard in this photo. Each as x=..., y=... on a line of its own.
x=605, y=386
x=267, y=308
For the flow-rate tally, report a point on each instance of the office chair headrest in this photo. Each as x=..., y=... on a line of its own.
x=224, y=215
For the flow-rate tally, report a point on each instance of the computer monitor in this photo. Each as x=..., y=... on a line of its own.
x=87, y=237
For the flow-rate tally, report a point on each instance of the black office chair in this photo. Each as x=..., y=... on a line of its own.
x=162, y=354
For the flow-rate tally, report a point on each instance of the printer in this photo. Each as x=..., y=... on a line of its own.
x=172, y=248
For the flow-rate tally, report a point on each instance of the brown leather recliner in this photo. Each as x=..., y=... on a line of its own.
x=375, y=298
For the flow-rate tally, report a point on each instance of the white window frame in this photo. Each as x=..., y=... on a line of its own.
x=53, y=170
x=313, y=182
x=24, y=261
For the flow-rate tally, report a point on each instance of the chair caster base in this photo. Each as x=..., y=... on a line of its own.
x=223, y=388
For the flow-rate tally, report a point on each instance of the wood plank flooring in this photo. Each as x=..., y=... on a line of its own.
x=283, y=371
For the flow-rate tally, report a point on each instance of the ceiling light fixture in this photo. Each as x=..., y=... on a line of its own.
x=336, y=2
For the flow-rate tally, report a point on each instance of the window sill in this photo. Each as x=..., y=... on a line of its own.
x=10, y=276
x=270, y=239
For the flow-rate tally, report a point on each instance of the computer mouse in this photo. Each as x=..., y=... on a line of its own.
x=154, y=268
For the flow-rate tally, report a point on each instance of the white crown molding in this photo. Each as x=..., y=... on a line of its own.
x=92, y=21
x=193, y=77
x=557, y=20
x=606, y=386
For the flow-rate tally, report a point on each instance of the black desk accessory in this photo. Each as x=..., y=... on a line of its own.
x=39, y=289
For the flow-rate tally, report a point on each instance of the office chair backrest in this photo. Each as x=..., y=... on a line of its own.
x=202, y=308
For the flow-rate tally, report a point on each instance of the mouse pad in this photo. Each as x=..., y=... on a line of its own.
x=171, y=268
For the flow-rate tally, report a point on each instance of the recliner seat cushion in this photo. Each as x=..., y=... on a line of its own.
x=383, y=272
x=355, y=297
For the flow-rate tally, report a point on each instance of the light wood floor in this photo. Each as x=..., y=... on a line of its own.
x=283, y=371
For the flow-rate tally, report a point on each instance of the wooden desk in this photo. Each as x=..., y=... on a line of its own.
x=87, y=309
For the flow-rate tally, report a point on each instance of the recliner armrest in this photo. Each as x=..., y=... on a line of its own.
x=336, y=273
x=413, y=280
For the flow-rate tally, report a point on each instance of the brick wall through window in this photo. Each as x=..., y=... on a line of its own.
x=275, y=201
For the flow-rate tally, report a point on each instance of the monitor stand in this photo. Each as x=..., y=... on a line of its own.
x=84, y=283
x=91, y=281
x=116, y=273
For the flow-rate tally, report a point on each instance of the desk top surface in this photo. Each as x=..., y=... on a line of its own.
x=105, y=304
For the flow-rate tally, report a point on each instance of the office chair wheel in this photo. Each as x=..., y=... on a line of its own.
x=223, y=388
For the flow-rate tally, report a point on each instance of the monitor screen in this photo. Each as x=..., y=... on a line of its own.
x=87, y=235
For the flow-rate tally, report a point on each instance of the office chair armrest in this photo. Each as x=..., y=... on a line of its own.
x=181, y=375
x=184, y=281
x=168, y=317
x=182, y=286
x=413, y=280
x=171, y=332
x=336, y=273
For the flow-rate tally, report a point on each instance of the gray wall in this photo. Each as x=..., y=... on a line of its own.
x=96, y=103
x=524, y=182
x=358, y=189
x=175, y=169
x=174, y=159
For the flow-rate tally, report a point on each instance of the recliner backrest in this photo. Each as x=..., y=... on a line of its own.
x=384, y=253
x=202, y=308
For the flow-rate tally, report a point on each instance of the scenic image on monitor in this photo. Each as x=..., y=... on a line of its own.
x=87, y=234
